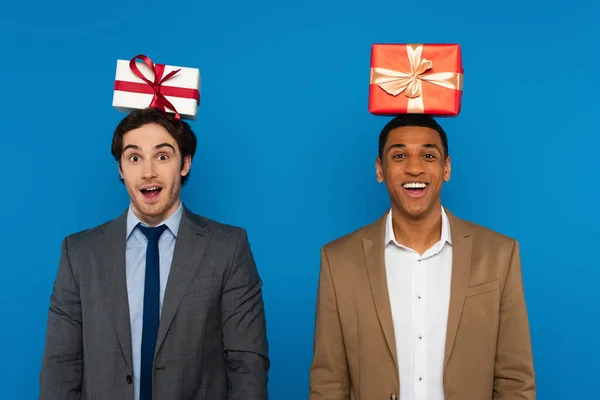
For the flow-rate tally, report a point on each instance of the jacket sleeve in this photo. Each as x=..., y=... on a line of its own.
x=329, y=375
x=62, y=363
x=244, y=327
x=514, y=376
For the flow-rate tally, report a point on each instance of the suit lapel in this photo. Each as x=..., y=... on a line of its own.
x=461, y=267
x=115, y=284
x=373, y=247
x=190, y=246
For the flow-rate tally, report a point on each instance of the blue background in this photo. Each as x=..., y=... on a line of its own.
x=287, y=150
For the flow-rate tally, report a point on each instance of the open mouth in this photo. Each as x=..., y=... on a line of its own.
x=415, y=189
x=151, y=193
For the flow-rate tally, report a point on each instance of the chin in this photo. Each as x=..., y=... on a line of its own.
x=152, y=209
x=416, y=211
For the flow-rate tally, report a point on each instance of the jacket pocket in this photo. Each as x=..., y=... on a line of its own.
x=483, y=288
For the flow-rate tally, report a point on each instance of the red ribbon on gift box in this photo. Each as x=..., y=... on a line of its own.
x=156, y=88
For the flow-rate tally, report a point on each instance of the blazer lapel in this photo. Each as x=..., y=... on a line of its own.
x=461, y=267
x=373, y=247
x=115, y=284
x=190, y=246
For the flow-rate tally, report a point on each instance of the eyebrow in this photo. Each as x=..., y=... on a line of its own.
x=158, y=146
x=402, y=146
x=433, y=146
x=162, y=145
x=131, y=146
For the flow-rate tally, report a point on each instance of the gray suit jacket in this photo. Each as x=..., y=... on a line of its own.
x=211, y=343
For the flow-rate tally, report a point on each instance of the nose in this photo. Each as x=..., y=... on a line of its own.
x=414, y=166
x=149, y=170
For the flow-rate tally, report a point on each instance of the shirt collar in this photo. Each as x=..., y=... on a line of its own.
x=172, y=222
x=445, y=237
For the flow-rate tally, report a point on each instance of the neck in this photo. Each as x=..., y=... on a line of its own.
x=419, y=233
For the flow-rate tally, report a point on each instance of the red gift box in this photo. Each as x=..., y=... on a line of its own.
x=416, y=79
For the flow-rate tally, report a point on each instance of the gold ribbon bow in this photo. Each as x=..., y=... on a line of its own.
x=396, y=82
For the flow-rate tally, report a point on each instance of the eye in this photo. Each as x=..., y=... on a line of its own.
x=430, y=156
x=163, y=157
x=398, y=156
x=134, y=158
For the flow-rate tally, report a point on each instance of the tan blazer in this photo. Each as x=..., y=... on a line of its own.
x=488, y=348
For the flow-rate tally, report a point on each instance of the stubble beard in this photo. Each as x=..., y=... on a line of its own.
x=152, y=212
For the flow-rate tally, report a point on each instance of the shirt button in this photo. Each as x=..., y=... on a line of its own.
x=420, y=337
x=419, y=297
x=129, y=379
x=420, y=379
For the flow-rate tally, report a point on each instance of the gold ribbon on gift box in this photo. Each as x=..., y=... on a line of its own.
x=411, y=83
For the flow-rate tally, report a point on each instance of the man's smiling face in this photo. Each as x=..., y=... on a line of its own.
x=413, y=166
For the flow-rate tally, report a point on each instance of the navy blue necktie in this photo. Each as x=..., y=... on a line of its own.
x=151, y=309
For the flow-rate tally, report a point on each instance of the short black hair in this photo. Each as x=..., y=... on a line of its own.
x=178, y=129
x=421, y=120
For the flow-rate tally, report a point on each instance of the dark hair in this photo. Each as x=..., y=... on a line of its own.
x=421, y=120
x=179, y=130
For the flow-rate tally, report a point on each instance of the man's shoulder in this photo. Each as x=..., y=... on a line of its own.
x=220, y=230
x=353, y=239
x=89, y=235
x=483, y=235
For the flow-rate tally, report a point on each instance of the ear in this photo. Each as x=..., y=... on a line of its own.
x=379, y=169
x=187, y=165
x=447, y=169
x=120, y=170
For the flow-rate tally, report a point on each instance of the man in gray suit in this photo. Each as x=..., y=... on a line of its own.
x=160, y=303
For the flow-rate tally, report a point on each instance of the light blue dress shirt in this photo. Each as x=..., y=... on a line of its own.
x=135, y=258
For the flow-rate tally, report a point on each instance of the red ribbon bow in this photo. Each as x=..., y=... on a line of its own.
x=156, y=88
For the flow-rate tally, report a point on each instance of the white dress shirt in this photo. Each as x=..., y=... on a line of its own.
x=419, y=289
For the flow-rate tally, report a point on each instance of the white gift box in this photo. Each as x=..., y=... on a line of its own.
x=182, y=90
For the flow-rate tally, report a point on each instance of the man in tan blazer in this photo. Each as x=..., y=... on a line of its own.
x=420, y=305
